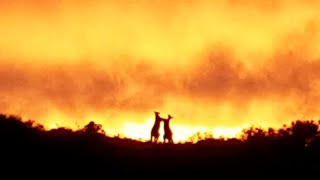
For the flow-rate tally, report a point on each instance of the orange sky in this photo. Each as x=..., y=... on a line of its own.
x=211, y=64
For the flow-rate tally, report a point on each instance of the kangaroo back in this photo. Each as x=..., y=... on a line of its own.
x=167, y=130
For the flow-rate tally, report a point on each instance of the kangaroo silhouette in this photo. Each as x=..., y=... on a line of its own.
x=156, y=127
x=167, y=131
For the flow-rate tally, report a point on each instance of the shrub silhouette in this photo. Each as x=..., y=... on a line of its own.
x=304, y=129
x=92, y=128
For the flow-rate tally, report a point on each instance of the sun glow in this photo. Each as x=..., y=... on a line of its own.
x=181, y=133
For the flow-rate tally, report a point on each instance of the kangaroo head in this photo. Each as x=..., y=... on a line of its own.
x=169, y=117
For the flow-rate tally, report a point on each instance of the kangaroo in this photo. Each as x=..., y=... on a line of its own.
x=156, y=127
x=167, y=131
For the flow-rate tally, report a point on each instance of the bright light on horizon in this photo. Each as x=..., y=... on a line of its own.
x=181, y=133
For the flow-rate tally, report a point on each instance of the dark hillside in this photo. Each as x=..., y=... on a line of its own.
x=29, y=151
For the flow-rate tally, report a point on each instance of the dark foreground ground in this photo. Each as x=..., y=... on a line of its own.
x=30, y=152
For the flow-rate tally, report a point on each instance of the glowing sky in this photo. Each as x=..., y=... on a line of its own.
x=211, y=64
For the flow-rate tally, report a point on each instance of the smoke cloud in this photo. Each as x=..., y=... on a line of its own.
x=222, y=63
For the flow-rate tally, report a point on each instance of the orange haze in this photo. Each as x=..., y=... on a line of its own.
x=213, y=65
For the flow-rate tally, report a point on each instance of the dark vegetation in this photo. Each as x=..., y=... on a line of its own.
x=30, y=151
